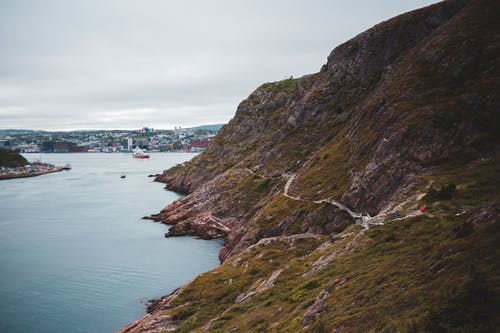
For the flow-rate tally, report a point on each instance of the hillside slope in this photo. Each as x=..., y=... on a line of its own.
x=318, y=186
x=11, y=159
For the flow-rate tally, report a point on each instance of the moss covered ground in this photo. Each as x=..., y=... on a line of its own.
x=427, y=86
x=12, y=159
x=433, y=273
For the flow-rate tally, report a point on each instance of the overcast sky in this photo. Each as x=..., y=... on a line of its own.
x=125, y=64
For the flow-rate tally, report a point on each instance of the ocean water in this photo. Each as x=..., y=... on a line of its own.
x=75, y=255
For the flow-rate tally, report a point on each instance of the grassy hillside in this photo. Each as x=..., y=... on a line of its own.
x=435, y=273
x=10, y=158
x=363, y=198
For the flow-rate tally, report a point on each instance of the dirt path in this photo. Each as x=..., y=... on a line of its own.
x=362, y=220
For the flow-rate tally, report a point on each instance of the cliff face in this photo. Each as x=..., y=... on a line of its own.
x=408, y=94
x=401, y=116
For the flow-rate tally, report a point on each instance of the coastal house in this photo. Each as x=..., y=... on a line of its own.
x=197, y=145
x=61, y=147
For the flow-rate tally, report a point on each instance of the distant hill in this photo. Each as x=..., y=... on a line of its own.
x=16, y=131
x=12, y=159
x=215, y=127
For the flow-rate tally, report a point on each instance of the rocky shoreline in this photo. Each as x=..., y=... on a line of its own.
x=31, y=170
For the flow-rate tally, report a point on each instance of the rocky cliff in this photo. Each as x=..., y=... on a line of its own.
x=362, y=197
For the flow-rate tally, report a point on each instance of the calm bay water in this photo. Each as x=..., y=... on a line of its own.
x=75, y=255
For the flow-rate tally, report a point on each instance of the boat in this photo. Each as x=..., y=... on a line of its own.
x=67, y=167
x=123, y=176
x=139, y=153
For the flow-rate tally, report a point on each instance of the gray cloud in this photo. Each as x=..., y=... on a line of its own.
x=132, y=63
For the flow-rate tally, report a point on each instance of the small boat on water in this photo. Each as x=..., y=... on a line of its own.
x=139, y=153
x=123, y=176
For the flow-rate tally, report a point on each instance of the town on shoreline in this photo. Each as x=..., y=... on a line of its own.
x=194, y=139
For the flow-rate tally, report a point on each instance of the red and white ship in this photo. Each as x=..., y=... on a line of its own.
x=138, y=153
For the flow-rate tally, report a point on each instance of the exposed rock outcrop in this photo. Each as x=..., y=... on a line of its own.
x=314, y=310
x=408, y=94
x=258, y=288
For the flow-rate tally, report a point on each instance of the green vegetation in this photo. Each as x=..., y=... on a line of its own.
x=242, y=191
x=173, y=169
x=444, y=193
x=417, y=278
x=320, y=179
x=412, y=126
x=185, y=311
x=288, y=86
x=475, y=184
x=429, y=273
x=472, y=309
x=283, y=216
x=12, y=159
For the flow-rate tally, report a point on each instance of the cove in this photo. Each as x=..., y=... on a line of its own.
x=75, y=255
